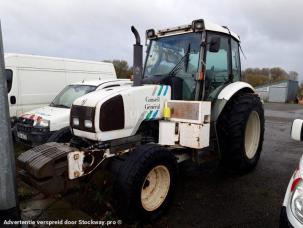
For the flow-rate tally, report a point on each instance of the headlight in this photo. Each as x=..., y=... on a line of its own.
x=82, y=118
x=76, y=121
x=198, y=25
x=150, y=33
x=88, y=123
x=40, y=122
x=297, y=200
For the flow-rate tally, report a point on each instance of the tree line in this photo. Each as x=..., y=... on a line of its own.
x=254, y=76
x=123, y=70
x=261, y=76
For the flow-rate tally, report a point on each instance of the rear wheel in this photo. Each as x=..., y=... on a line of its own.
x=241, y=131
x=145, y=182
x=252, y=134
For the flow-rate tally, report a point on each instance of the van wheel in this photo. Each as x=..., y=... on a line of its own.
x=241, y=132
x=145, y=182
x=63, y=135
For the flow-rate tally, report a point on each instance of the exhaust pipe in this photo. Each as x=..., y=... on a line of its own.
x=137, y=58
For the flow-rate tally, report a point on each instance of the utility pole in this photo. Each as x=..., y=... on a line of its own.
x=9, y=208
x=269, y=76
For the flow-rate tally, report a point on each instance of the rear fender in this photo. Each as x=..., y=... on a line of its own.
x=227, y=94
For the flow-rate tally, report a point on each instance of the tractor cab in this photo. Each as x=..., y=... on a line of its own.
x=196, y=60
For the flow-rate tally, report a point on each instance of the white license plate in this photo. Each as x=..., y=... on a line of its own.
x=22, y=135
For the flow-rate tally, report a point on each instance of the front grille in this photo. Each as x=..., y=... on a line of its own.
x=112, y=114
x=82, y=113
x=28, y=129
x=24, y=128
x=26, y=121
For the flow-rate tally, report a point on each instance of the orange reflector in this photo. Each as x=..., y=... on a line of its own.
x=201, y=75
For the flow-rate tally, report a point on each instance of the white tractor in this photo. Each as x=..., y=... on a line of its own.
x=186, y=102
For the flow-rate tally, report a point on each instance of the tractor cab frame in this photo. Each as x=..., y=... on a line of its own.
x=197, y=60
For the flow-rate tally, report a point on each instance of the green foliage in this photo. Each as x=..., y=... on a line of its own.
x=254, y=76
x=261, y=76
x=122, y=68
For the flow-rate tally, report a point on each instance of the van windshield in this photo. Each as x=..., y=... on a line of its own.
x=69, y=94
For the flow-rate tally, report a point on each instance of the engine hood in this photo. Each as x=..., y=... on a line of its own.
x=93, y=98
x=58, y=117
x=118, y=112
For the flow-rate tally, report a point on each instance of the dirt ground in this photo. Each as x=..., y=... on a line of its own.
x=208, y=196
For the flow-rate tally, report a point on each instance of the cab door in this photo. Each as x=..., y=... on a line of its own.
x=236, y=63
x=218, y=64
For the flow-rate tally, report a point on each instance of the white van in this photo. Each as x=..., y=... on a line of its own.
x=51, y=123
x=34, y=81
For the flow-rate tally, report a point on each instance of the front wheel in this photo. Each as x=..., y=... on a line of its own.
x=145, y=182
x=241, y=131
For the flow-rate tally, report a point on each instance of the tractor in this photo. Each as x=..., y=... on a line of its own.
x=187, y=101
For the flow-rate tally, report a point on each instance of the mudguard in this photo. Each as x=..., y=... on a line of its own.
x=226, y=94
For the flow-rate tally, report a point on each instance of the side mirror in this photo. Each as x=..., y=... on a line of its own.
x=214, y=45
x=297, y=130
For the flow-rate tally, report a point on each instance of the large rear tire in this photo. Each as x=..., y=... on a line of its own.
x=241, y=132
x=145, y=182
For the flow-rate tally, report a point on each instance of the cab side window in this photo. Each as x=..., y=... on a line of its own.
x=217, y=64
x=236, y=70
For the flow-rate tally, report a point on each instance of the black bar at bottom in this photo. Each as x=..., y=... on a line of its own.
x=9, y=214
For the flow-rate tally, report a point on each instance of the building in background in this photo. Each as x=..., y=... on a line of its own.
x=282, y=92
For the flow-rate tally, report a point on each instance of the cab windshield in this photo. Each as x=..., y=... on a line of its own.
x=167, y=52
x=69, y=94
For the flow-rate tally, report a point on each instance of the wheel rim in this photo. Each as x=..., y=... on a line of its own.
x=155, y=188
x=252, y=134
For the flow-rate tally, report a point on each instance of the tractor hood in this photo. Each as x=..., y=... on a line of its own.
x=93, y=98
x=117, y=112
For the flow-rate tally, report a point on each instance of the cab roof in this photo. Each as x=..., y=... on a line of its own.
x=207, y=26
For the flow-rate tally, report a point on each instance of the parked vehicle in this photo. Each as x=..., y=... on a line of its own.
x=33, y=81
x=51, y=123
x=292, y=208
x=187, y=102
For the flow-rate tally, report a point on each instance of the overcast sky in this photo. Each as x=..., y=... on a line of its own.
x=271, y=31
